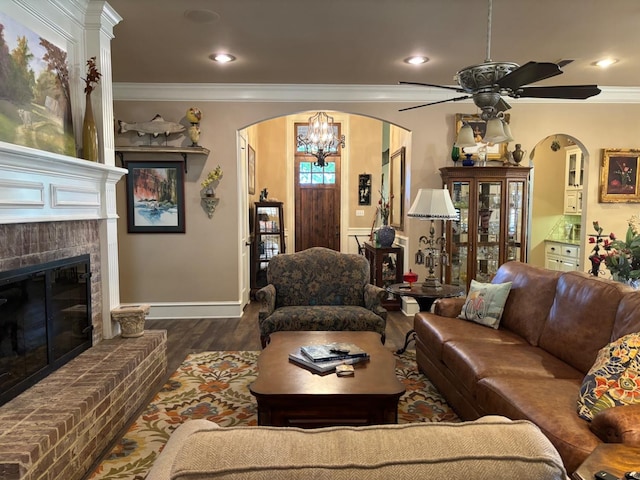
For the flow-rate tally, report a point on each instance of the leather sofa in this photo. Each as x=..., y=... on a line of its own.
x=493, y=447
x=533, y=365
x=320, y=289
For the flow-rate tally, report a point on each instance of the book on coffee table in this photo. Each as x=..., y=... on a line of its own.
x=332, y=351
x=323, y=367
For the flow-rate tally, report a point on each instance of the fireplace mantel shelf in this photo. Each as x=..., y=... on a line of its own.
x=38, y=186
x=183, y=151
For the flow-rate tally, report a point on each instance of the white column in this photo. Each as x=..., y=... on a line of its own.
x=99, y=22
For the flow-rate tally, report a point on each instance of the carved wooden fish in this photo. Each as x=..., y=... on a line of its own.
x=155, y=127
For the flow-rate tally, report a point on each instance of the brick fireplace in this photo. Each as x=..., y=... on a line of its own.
x=54, y=207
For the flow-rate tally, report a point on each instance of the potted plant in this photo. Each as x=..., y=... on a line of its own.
x=211, y=181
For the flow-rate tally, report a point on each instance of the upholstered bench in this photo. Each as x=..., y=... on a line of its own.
x=492, y=447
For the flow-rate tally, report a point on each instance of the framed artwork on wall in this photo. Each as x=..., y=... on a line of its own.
x=396, y=188
x=155, y=197
x=479, y=126
x=364, y=189
x=251, y=169
x=619, y=176
x=37, y=111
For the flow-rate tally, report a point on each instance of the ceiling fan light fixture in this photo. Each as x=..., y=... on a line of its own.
x=507, y=131
x=495, y=131
x=465, y=137
x=416, y=60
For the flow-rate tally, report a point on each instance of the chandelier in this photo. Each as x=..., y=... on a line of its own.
x=321, y=140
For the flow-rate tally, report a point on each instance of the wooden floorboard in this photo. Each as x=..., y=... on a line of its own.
x=185, y=336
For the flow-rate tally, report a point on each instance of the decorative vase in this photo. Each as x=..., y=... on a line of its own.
x=455, y=154
x=89, y=133
x=595, y=266
x=386, y=235
x=518, y=154
x=131, y=319
x=467, y=162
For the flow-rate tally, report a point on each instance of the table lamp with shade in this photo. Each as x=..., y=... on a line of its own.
x=433, y=204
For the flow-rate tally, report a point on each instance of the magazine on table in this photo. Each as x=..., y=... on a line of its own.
x=323, y=367
x=332, y=351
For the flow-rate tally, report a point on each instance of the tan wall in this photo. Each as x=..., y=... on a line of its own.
x=202, y=265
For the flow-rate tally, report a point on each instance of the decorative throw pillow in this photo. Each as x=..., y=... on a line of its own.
x=485, y=303
x=614, y=378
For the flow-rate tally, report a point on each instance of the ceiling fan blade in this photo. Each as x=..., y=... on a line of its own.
x=456, y=99
x=576, y=92
x=456, y=89
x=530, y=72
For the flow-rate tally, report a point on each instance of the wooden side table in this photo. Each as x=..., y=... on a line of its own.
x=386, y=264
x=425, y=298
x=614, y=458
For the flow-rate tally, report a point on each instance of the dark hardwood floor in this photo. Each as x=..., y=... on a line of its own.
x=185, y=336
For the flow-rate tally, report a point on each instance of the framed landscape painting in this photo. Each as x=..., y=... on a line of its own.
x=35, y=106
x=619, y=176
x=155, y=197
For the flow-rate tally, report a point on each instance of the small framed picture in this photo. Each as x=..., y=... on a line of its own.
x=251, y=169
x=479, y=126
x=364, y=189
x=619, y=176
x=155, y=197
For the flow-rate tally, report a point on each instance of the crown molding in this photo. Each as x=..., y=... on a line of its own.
x=251, y=92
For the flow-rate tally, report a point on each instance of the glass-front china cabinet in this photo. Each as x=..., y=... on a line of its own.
x=491, y=228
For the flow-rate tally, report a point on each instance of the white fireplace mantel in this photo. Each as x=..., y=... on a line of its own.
x=37, y=186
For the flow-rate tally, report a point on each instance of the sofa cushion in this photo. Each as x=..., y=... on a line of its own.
x=627, y=318
x=532, y=292
x=325, y=317
x=434, y=331
x=547, y=402
x=471, y=361
x=485, y=303
x=586, y=305
x=493, y=447
x=614, y=378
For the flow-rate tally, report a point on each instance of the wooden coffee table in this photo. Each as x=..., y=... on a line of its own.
x=291, y=396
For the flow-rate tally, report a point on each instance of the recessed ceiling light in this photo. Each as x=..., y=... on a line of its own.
x=222, y=57
x=416, y=60
x=606, y=62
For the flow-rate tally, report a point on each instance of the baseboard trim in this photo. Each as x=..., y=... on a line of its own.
x=188, y=310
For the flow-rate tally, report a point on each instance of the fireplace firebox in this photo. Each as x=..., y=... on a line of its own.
x=45, y=321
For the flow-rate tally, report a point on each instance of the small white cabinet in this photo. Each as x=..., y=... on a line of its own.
x=563, y=257
x=574, y=180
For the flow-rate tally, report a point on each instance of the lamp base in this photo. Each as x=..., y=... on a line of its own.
x=431, y=283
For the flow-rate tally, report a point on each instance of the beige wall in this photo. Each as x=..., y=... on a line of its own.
x=202, y=265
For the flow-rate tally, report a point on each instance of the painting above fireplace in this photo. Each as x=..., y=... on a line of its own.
x=45, y=321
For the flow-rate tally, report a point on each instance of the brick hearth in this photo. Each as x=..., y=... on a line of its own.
x=58, y=428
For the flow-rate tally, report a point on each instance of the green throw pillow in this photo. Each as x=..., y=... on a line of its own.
x=485, y=303
x=614, y=378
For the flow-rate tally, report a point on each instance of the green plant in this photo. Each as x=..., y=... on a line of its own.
x=212, y=177
x=621, y=257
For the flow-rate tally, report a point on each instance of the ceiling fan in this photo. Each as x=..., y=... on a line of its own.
x=487, y=83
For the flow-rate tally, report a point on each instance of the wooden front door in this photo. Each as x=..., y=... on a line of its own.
x=317, y=201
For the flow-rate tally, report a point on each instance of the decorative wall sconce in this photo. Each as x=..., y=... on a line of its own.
x=208, y=194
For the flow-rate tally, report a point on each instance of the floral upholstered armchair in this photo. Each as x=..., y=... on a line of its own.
x=320, y=289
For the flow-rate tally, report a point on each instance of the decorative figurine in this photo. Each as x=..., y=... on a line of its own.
x=194, y=115
x=263, y=195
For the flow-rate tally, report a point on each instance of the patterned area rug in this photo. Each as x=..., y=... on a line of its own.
x=215, y=386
